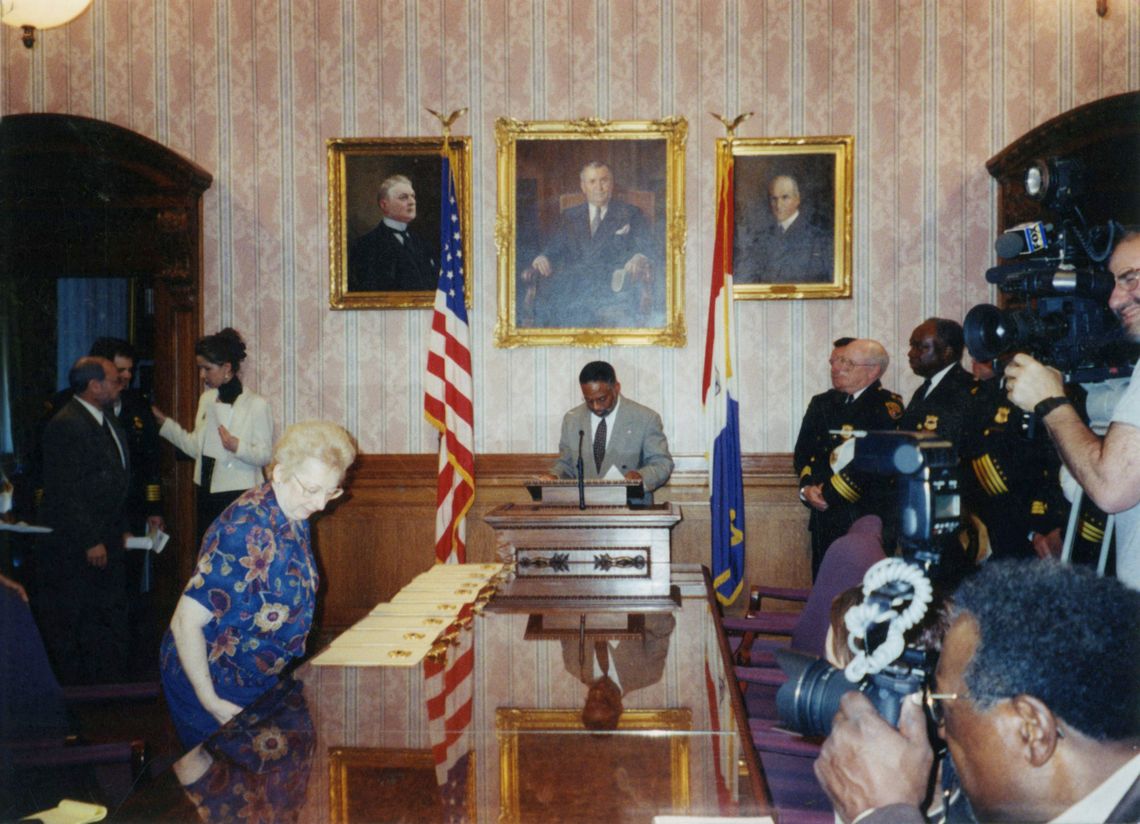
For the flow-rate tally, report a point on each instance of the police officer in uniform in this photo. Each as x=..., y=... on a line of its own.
x=836, y=494
x=942, y=403
x=1009, y=480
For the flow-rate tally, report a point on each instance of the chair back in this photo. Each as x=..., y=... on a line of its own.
x=31, y=699
x=844, y=565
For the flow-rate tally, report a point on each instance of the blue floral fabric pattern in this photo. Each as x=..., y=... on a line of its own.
x=256, y=575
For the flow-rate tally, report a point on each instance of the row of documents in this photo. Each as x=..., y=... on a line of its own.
x=401, y=632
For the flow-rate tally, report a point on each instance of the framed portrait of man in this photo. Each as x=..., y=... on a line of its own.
x=792, y=216
x=590, y=232
x=384, y=219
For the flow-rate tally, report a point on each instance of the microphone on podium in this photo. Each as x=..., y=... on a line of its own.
x=581, y=472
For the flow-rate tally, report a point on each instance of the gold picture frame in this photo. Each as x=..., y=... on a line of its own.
x=536, y=771
x=811, y=256
x=357, y=260
x=620, y=281
x=356, y=774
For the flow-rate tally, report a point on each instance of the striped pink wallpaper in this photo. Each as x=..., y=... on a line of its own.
x=251, y=89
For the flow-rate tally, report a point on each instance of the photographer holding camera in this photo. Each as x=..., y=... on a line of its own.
x=1108, y=468
x=1037, y=695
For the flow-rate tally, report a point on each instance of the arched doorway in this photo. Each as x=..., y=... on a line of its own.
x=82, y=198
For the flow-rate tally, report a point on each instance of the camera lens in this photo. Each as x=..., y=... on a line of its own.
x=809, y=700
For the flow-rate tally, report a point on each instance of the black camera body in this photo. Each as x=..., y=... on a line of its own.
x=924, y=467
x=1058, y=286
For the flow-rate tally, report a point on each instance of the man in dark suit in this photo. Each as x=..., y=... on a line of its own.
x=615, y=433
x=837, y=494
x=81, y=599
x=596, y=269
x=1036, y=695
x=790, y=249
x=390, y=257
x=143, y=508
x=944, y=401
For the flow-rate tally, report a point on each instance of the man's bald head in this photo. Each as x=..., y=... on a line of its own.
x=858, y=365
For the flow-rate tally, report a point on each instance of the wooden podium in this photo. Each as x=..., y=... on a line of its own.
x=568, y=559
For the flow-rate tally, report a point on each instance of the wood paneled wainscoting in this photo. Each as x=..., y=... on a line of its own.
x=382, y=533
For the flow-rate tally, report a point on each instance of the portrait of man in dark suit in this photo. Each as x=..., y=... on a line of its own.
x=393, y=256
x=791, y=216
x=600, y=262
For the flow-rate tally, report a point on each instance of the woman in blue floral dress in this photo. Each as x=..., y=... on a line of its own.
x=246, y=612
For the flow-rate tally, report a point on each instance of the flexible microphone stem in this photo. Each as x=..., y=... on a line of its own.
x=581, y=472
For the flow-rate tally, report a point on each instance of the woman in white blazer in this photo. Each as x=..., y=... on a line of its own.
x=232, y=439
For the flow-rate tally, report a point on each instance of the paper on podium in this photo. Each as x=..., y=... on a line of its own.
x=70, y=812
x=614, y=474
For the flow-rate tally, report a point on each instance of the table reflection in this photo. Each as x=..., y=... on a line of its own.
x=336, y=744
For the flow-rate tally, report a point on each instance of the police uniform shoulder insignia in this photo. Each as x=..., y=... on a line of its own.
x=931, y=423
x=137, y=422
x=894, y=409
x=1002, y=414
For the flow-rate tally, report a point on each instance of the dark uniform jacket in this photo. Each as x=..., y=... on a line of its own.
x=1009, y=480
x=945, y=410
x=855, y=493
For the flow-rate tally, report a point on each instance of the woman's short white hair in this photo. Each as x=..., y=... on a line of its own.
x=326, y=441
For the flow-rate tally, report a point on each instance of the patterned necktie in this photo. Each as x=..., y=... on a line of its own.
x=600, y=444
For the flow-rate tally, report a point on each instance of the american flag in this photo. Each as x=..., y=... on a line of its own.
x=718, y=390
x=450, y=699
x=447, y=386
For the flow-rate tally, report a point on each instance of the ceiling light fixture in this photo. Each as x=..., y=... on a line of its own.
x=30, y=15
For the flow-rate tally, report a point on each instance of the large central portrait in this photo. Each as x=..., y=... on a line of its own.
x=590, y=232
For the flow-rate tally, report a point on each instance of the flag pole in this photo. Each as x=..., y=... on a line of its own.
x=719, y=393
x=448, y=390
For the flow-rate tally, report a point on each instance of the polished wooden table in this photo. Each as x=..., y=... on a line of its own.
x=334, y=744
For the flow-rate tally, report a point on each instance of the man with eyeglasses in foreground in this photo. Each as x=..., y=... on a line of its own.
x=836, y=495
x=1036, y=694
x=1108, y=468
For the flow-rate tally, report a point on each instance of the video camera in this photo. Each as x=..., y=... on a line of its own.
x=896, y=591
x=1059, y=285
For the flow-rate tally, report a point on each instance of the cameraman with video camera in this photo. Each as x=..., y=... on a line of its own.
x=1108, y=468
x=1037, y=695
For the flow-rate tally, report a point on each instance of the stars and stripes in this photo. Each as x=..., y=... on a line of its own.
x=450, y=700
x=447, y=386
x=718, y=388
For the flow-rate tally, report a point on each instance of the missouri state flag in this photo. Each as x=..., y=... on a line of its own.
x=718, y=398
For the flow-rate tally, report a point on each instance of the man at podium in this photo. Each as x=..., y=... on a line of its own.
x=613, y=436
